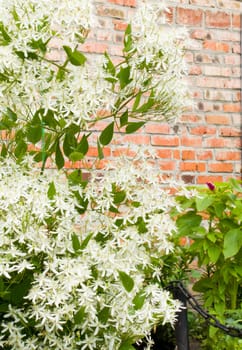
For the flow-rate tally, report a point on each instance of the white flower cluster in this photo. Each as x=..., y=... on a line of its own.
x=161, y=48
x=30, y=79
x=90, y=268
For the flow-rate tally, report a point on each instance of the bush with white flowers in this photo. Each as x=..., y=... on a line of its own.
x=81, y=268
x=81, y=262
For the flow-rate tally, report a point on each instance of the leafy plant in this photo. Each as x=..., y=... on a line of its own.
x=211, y=219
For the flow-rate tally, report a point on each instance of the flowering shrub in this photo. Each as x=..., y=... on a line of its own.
x=81, y=262
x=81, y=269
x=67, y=98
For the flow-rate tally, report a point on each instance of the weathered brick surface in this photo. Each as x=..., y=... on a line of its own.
x=205, y=144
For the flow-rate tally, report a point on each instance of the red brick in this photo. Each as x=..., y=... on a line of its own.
x=118, y=25
x=167, y=166
x=222, y=95
x=236, y=21
x=176, y=154
x=123, y=151
x=215, y=143
x=203, y=130
x=191, y=141
x=192, y=166
x=131, y=3
x=209, y=178
x=228, y=155
x=157, y=128
x=217, y=19
x=110, y=12
x=172, y=141
x=232, y=107
x=164, y=153
x=200, y=34
x=217, y=119
x=188, y=155
x=204, y=155
x=190, y=118
x=217, y=71
x=94, y=47
x=236, y=48
x=216, y=46
x=230, y=132
x=232, y=59
x=220, y=167
x=93, y=152
x=195, y=70
x=137, y=139
x=189, y=16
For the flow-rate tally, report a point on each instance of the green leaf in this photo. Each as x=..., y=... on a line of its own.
x=124, y=76
x=137, y=101
x=51, y=191
x=214, y=253
x=147, y=105
x=85, y=242
x=232, y=242
x=188, y=222
x=34, y=133
x=128, y=42
x=83, y=145
x=75, y=156
x=119, y=197
x=20, y=149
x=139, y=300
x=109, y=66
x=76, y=57
x=5, y=39
x=133, y=126
x=126, y=280
x=204, y=203
x=107, y=134
x=59, y=159
x=49, y=118
x=69, y=143
x=79, y=316
x=103, y=314
x=75, y=177
x=126, y=346
x=4, y=150
x=100, y=151
x=75, y=242
x=124, y=118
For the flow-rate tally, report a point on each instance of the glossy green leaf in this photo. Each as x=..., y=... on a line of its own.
x=69, y=143
x=124, y=76
x=79, y=316
x=128, y=41
x=51, y=191
x=137, y=101
x=214, y=253
x=232, y=242
x=34, y=133
x=204, y=202
x=21, y=149
x=59, y=159
x=124, y=118
x=5, y=39
x=109, y=66
x=75, y=57
x=126, y=346
x=100, y=151
x=85, y=242
x=83, y=145
x=119, y=197
x=133, y=126
x=188, y=222
x=75, y=242
x=107, y=134
x=139, y=300
x=126, y=280
x=75, y=156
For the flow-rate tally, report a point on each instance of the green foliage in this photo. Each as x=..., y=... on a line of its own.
x=211, y=219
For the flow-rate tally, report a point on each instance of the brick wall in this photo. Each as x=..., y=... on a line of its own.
x=205, y=144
